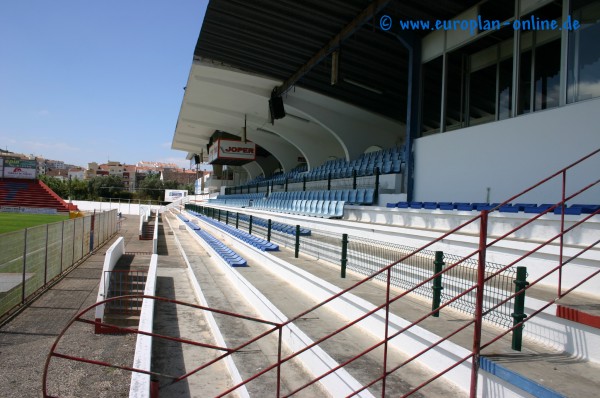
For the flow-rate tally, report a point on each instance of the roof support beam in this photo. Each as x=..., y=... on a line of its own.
x=333, y=44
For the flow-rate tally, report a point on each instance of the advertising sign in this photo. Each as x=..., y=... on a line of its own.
x=17, y=168
x=229, y=149
x=172, y=195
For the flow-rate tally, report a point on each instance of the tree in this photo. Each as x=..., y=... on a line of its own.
x=151, y=187
x=105, y=186
x=58, y=186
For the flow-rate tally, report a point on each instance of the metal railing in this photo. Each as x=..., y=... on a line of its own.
x=124, y=283
x=476, y=279
x=32, y=258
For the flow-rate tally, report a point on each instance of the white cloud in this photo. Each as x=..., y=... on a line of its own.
x=42, y=113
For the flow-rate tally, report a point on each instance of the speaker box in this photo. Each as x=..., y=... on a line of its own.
x=276, y=108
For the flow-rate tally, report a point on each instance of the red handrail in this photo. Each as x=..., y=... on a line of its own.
x=477, y=320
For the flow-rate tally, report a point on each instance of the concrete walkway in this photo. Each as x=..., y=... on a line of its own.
x=559, y=371
x=26, y=340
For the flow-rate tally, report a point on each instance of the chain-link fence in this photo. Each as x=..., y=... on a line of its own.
x=31, y=258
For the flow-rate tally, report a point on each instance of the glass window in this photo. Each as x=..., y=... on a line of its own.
x=505, y=69
x=482, y=95
x=455, y=91
x=584, y=52
x=547, y=75
x=431, y=102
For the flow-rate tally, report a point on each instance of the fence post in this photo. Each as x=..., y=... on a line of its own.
x=269, y=230
x=479, y=303
x=227, y=217
x=219, y=215
x=353, y=178
x=437, y=282
x=297, y=246
x=237, y=220
x=519, y=308
x=46, y=257
x=286, y=185
x=303, y=183
x=250, y=225
x=24, y=264
x=329, y=181
x=344, y=254
x=375, y=196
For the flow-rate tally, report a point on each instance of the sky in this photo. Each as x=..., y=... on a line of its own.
x=95, y=80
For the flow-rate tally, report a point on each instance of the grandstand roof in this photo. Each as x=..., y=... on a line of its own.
x=245, y=50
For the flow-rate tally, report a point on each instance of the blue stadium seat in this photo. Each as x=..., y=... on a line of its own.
x=446, y=206
x=352, y=196
x=430, y=205
x=461, y=206
x=369, y=196
x=360, y=196
x=415, y=205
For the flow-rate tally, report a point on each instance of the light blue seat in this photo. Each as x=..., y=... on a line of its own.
x=360, y=196
x=338, y=195
x=352, y=196
x=339, y=209
x=319, y=209
x=345, y=195
x=369, y=196
x=325, y=209
x=313, y=207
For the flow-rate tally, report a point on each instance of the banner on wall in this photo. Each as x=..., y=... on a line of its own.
x=17, y=168
x=223, y=150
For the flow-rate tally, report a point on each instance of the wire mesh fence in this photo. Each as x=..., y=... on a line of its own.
x=32, y=257
x=368, y=256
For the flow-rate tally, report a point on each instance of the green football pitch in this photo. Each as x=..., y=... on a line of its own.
x=16, y=221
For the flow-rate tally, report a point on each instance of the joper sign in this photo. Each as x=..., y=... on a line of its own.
x=233, y=150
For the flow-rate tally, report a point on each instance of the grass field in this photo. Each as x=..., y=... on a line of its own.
x=16, y=221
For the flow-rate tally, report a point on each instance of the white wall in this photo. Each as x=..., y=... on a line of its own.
x=509, y=156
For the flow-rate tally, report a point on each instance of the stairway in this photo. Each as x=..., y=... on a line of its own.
x=124, y=312
x=148, y=227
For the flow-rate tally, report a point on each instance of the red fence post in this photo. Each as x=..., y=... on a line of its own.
x=562, y=231
x=479, y=302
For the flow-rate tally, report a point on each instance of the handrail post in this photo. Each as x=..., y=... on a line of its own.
x=227, y=217
x=353, y=178
x=519, y=307
x=237, y=220
x=344, y=254
x=269, y=225
x=297, y=245
x=562, y=232
x=303, y=183
x=437, y=282
x=286, y=185
x=376, y=194
x=24, y=265
x=219, y=215
x=479, y=303
x=250, y=225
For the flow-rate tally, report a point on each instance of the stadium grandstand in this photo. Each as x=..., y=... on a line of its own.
x=404, y=201
x=365, y=119
x=22, y=192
